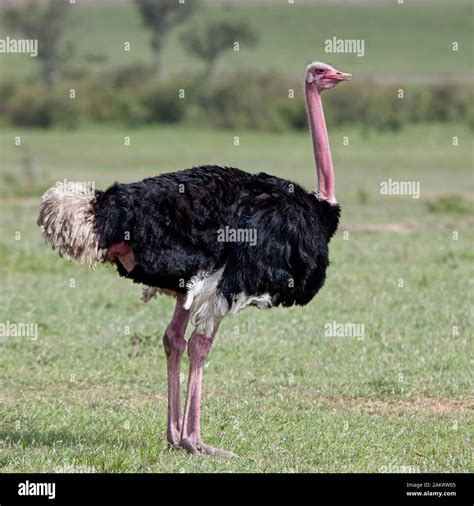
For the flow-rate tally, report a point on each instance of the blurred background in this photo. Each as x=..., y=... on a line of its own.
x=121, y=90
x=165, y=68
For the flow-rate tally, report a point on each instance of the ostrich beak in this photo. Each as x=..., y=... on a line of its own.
x=340, y=76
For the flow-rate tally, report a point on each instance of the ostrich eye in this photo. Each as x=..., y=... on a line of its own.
x=320, y=71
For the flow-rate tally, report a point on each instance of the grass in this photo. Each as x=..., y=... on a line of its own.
x=90, y=392
x=406, y=41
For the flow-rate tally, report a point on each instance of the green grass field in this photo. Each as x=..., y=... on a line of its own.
x=405, y=42
x=90, y=393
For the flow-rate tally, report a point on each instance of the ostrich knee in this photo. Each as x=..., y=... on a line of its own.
x=173, y=343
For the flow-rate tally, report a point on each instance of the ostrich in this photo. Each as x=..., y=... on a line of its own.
x=165, y=232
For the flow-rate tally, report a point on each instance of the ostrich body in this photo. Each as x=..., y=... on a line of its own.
x=166, y=232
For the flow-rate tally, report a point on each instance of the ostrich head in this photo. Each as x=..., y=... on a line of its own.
x=323, y=76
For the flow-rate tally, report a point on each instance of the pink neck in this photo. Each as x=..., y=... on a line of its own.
x=322, y=152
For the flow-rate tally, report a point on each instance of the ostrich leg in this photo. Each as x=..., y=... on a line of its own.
x=175, y=344
x=198, y=348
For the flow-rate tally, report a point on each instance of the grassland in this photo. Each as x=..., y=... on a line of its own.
x=408, y=42
x=89, y=393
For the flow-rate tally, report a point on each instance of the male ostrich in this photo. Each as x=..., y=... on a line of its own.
x=163, y=232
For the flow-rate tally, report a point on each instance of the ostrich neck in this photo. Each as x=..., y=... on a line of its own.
x=322, y=152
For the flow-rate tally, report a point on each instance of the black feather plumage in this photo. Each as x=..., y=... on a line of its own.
x=172, y=221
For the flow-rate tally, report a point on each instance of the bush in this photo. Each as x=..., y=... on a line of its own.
x=75, y=74
x=449, y=204
x=161, y=103
x=37, y=106
x=133, y=74
x=7, y=92
x=293, y=112
x=385, y=111
x=350, y=104
x=242, y=100
x=30, y=107
x=101, y=104
x=416, y=103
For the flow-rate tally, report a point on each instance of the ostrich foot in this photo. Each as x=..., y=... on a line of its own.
x=173, y=441
x=197, y=447
x=174, y=434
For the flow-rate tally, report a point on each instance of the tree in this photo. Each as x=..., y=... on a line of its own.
x=45, y=23
x=216, y=37
x=160, y=16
